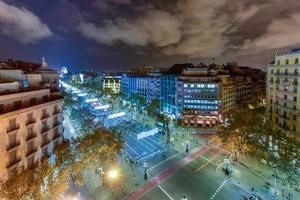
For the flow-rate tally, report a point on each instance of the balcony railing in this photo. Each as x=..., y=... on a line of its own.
x=55, y=124
x=55, y=136
x=45, y=116
x=45, y=129
x=13, y=162
x=13, y=145
x=31, y=136
x=13, y=128
x=56, y=111
x=286, y=74
x=284, y=127
x=29, y=122
x=31, y=151
x=46, y=142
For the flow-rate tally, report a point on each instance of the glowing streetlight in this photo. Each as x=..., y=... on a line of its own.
x=113, y=174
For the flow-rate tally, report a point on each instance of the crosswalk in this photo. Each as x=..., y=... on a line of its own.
x=162, y=162
x=218, y=190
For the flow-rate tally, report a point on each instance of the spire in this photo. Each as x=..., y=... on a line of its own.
x=44, y=64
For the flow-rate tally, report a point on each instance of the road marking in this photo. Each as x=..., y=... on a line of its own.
x=209, y=160
x=204, y=165
x=162, y=162
x=218, y=190
x=162, y=189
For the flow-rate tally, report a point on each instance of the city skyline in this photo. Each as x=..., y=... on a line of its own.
x=122, y=34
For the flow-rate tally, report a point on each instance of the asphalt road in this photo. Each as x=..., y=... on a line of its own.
x=197, y=180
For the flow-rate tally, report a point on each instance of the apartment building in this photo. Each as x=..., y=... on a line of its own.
x=168, y=88
x=112, y=83
x=146, y=86
x=30, y=115
x=198, y=97
x=283, y=96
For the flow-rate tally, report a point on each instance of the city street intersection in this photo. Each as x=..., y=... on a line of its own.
x=190, y=166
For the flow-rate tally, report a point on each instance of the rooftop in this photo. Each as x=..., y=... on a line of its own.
x=26, y=67
x=293, y=51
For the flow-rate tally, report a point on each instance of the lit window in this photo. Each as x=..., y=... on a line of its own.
x=185, y=85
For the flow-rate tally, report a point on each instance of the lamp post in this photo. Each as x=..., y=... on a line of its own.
x=145, y=165
x=113, y=175
x=227, y=166
x=187, y=145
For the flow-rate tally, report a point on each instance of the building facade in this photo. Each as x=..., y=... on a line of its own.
x=146, y=86
x=112, y=83
x=168, y=82
x=283, y=96
x=198, y=97
x=31, y=119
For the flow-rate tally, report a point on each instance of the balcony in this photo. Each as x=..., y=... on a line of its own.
x=286, y=91
x=56, y=112
x=54, y=97
x=13, y=162
x=283, y=117
x=44, y=143
x=286, y=74
x=13, y=145
x=55, y=136
x=45, y=116
x=282, y=99
x=44, y=129
x=13, y=128
x=30, y=122
x=31, y=151
x=286, y=128
x=56, y=124
x=30, y=137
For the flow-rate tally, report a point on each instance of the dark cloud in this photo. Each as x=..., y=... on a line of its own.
x=156, y=31
x=21, y=24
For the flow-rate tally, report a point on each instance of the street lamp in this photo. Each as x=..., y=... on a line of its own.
x=113, y=174
x=145, y=165
x=227, y=167
x=187, y=145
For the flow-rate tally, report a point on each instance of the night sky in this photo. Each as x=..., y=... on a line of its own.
x=121, y=34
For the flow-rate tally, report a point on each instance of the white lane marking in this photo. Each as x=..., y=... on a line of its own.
x=162, y=162
x=162, y=189
x=208, y=160
x=220, y=148
x=218, y=190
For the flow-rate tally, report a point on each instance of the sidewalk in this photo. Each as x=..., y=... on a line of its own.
x=252, y=175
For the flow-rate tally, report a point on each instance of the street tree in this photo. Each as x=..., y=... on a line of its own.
x=281, y=151
x=240, y=129
x=48, y=180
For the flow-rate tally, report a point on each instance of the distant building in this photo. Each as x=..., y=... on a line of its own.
x=283, y=92
x=168, y=88
x=30, y=114
x=146, y=86
x=250, y=85
x=198, y=96
x=112, y=82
